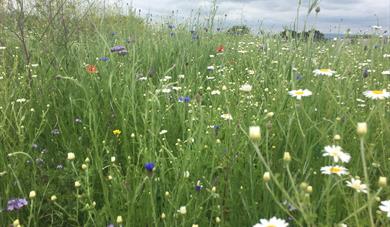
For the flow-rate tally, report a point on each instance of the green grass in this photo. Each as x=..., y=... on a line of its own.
x=223, y=158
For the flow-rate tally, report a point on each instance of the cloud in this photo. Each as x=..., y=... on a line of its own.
x=274, y=14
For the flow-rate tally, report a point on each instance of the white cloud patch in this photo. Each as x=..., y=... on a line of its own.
x=274, y=14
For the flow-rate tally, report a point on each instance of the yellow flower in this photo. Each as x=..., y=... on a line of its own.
x=116, y=132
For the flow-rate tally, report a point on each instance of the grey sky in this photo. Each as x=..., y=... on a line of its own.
x=274, y=14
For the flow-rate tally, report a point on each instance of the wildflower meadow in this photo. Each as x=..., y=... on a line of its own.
x=117, y=120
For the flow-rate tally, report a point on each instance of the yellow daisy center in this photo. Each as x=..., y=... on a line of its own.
x=377, y=92
x=271, y=225
x=324, y=70
x=335, y=169
x=299, y=92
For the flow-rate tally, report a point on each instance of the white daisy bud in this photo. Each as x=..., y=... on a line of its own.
x=32, y=194
x=382, y=182
x=16, y=222
x=362, y=128
x=270, y=114
x=53, y=198
x=77, y=184
x=286, y=157
x=266, y=177
x=254, y=133
x=337, y=137
x=71, y=156
x=304, y=185
x=119, y=220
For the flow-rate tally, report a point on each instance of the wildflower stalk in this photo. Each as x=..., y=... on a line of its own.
x=277, y=183
x=362, y=207
x=30, y=217
x=369, y=203
x=280, y=204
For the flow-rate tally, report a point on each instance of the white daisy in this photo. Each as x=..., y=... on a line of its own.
x=385, y=207
x=324, y=72
x=246, y=88
x=339, y=170
x=227, y=116
x=22, y=100
x=357, y=185
x=210, y=68
x=377, y=94
x=387, y=72
x=166, y=90
x=336, y=152
x=273, y=222
x=300, y=93
x=215, y=92
x=162, y=132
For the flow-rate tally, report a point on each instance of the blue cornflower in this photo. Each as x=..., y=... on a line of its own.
x=16, y=204
x=171, y=26
x=118, y=48
x=113, y=33
x=198, y=188
x=184, y=99
x=105, y=59
x=149, y=166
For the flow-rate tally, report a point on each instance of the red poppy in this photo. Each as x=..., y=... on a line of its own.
x=91, y=69
x=220, y=49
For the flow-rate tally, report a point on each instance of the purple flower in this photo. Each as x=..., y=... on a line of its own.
x=149, y=166
x=198, y=188
x=16, y=204
x=110, y=225
x=104, y=59
x=184, y=99
x=118, y=48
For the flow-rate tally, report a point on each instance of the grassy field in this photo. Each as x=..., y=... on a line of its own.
x=162, y=131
